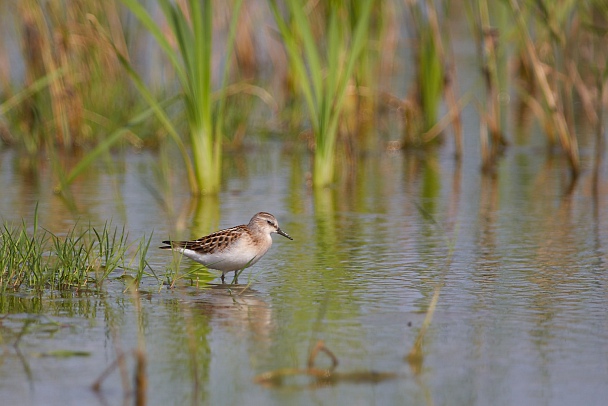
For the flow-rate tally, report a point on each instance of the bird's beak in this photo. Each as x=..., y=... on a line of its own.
x=283, y=233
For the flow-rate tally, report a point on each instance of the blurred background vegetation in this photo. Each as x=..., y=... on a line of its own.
x=331, y=79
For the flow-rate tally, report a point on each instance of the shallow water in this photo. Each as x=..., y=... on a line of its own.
x=522, y=317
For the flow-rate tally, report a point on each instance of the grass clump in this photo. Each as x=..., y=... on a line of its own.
x=191, y=27
x=323, y=69
x=81, y=259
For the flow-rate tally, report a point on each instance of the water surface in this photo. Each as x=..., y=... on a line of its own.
x=522, y=317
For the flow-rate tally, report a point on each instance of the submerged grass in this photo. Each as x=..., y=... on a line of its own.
x=81, y=259
x=320, y=376
x=415, y=356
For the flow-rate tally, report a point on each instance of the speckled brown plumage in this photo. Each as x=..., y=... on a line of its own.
x=215, y=242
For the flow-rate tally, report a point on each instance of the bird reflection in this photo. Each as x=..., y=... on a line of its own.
x=237, y=308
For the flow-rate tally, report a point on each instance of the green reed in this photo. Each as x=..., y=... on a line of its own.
x=434, y=79
x=192, y=30
x=429, y=64
x=323, y=71
x=75, y=56
x=82, y=258
x=430, y=75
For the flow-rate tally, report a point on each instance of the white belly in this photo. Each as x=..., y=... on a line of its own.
x=232, y=259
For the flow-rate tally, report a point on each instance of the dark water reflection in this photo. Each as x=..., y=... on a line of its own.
x=522, y=317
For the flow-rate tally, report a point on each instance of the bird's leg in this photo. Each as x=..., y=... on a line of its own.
x=223, y=278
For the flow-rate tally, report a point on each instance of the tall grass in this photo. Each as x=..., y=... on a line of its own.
x=72, y=82
x=191, y=58
x=73, y=94
x=430, y=76
x=82, y=259
x=435, y=79
x=323, y=70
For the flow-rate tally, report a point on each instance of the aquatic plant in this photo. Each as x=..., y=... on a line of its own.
x=553, y=107
x=415, y=356
x=82, y=258
x=72, y=81
x=75, y=53
x=321, y=376
x=434, y=79
x=191, y=58
x=323, y=70
x=430, y=71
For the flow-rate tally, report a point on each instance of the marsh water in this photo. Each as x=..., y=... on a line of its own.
x=522, y=317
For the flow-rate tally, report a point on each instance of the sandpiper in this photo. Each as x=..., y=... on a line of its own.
x=232, y=249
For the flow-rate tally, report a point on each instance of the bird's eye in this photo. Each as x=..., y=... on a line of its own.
x=269, y=222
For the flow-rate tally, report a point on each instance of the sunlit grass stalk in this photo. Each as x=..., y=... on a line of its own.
x=192, y=62
x=323, y=77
